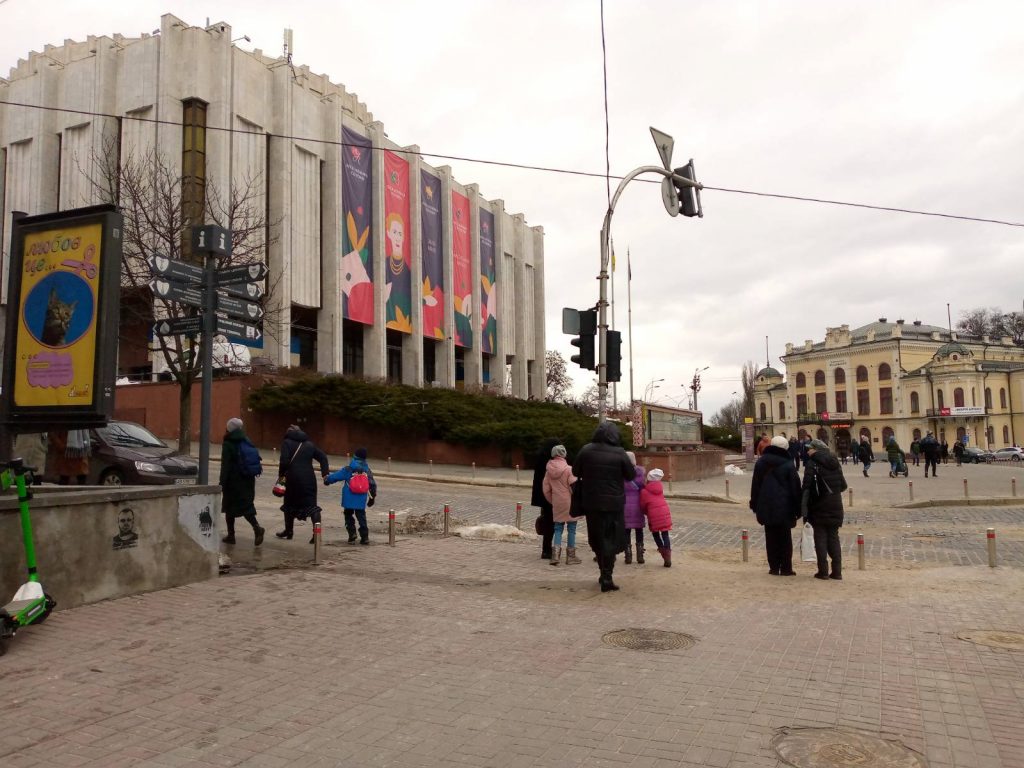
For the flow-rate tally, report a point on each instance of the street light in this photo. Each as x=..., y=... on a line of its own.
x=651, y=386
x=695, y=385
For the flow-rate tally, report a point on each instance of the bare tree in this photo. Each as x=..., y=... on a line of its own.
x=993, y=322
x=748, y=374
x=558, y=381
x=730, y=416
x=148, y=189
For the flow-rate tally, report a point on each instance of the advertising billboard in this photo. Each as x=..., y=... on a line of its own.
x=433, y=256
x=397, y=243
x=356, y=233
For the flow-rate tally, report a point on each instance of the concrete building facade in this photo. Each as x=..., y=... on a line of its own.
x=901, y=379
x=223, y=117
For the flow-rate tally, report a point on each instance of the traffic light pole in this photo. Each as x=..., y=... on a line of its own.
x=602, y=304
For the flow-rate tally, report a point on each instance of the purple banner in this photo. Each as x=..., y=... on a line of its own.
x=488, y=290
x=356, y=239
x=433, y=256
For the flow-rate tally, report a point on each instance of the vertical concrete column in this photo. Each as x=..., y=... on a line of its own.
x=374, y=338
x=522, y=352
x=277, y=324
x=412, y=349
x=505, y=313
x=473, y=366
x=328, y=342
x=539, y=383
x=445, y=359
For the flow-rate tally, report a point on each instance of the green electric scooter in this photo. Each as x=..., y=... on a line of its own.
x=30, y=605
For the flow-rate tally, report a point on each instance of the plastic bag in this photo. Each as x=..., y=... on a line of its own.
x=807, y=553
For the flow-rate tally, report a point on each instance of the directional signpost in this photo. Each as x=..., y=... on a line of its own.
x=171, y=269
x=246, y=310
x=173, y=291
x=234, y=328
x=178, y=325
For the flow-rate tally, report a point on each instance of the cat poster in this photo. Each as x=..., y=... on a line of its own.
x=63, y=318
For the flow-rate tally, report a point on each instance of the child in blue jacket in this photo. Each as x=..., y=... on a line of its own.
x=354, y=499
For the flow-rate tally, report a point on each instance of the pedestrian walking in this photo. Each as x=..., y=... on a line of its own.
x=545, y=523
x=915, y=451
x=67, y=455
x=930, y=448
x=558, y=481
x=944, y=451
x=240, y=465
x=763, y=443
x=794, y=451
x=298, y=453
x=775, y=501
x=634, y=515
x=659, y=516
x=358, y=493
x=855, y=452
x=602, y=465
x=958, y=452
x=897, y=459
x=866, y=454
x=821, y=504
x=803, y=450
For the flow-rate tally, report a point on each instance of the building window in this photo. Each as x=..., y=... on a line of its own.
x=990, y=433
x=819, y=378
x=1006, y=435
x=782, y=411
x=801, y=381
x=974, y=400
x=862, y=373
x=764, y=412
x=940, y=401
x=820, y=406
x=958, y=397
x=840, y=376
x=863, y=402
x=884, y=372
x=801, y=405
x=988, y=398
x=193, y=163
x=915, y=403
x=885, y=399
x=841, y=401
x=1002, y=398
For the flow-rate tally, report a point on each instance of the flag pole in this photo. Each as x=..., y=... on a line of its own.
x=615, y=391
x=629, y=320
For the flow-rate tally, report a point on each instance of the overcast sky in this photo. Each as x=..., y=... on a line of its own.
x=903, y=104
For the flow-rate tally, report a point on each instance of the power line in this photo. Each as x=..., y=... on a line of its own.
x=523, y=166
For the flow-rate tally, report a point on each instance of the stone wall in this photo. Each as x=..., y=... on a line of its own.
x=94, y=543
x=684, y=465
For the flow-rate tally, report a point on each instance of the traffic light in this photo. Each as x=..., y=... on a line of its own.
x=689, y=197
x=585, y=341
x=613, y=341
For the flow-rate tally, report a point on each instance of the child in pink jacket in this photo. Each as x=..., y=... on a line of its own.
x=659, y=516
x=558, y=480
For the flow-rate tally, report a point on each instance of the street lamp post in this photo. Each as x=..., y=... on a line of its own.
x=695, y=385
x=651, y=386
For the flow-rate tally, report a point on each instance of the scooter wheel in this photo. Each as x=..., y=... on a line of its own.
x=50, y=604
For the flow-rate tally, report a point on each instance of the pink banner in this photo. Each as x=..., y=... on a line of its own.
x=398, y=275
x=462, y=271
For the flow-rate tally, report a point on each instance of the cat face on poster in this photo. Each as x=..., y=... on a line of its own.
x=57, y=319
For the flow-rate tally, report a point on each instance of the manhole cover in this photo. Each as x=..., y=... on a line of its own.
x=995, y=638
x=649, y=639
x=838, y=748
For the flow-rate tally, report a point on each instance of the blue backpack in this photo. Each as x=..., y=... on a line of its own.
x=249, y=462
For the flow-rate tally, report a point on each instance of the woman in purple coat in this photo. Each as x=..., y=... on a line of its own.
x=634, y=516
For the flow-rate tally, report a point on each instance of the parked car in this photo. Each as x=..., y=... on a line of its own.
x=974, y=455
x=125, y=453
x=1009, y=454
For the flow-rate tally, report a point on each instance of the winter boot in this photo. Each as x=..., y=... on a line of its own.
x=229, y=539
x=640, y=554
x=607, y=566
x=629, y=554
x=556, y=555
x=570, y=556
x=666, y=553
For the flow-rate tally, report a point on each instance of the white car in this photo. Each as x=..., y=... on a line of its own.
x=1008, y=454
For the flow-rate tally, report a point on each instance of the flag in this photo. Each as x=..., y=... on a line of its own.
x=613, y=259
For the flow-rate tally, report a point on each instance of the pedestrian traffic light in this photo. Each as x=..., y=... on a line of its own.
x=585, y=341
x=689, y=197
x=613, y=346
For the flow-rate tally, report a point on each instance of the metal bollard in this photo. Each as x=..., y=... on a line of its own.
x=519, y=515
x=316, y=543
x=850, y=505
x=910, y=484
x=991, y=535
x=1013, y=487
x=727, y=488
x=391, y=527
x=746, y=545
x=860, y=551
x=389, y=463
x=444, y=529
x=965, y=489
x=431, y=467
x=474, y=470
x=670, y=483
x=517, y=473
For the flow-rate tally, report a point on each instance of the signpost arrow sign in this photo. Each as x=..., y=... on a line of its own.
x=242, y=273
x=162, y=266
x=665, y=144
x=178, y=325
x=246, y=310
x=250, y=291
x=168, y=290
x=238, y=330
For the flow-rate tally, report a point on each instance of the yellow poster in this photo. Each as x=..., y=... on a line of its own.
x=59, y=301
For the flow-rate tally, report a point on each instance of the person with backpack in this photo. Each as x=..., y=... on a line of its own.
x=358, y=493
x=240, y=465
x=821, y=504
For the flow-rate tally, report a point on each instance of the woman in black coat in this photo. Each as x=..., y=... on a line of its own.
x=547, y=522
x=602, y=466
x=300, y=484
x=238, y=493
x=822, y=507
x=775, y=500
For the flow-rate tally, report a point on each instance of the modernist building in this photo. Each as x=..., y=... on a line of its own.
x=897, y=379
x=380, y=264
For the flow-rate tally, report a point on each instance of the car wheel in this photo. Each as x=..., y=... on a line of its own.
x=1016, y=458
x=112, y=477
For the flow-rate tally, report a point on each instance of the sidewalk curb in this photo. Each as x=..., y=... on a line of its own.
x=992, y=501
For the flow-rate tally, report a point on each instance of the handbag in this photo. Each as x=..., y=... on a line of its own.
x=576, y=499
x=807, y=553
x=538, y=525
x=278, y=489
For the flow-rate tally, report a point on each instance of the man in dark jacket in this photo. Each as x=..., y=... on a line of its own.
x=602, y=465
x=547, y=522
x=775, y=500
x=238, y=491
x=822, y=507
x=930, y=448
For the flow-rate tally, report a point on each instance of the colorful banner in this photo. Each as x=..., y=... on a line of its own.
x=398, y=278
x=462, y=271
x=59, y=301
x=433, y=256
x=356, y=239
x=488, y=292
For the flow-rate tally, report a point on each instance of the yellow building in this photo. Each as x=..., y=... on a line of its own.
x=901, y=379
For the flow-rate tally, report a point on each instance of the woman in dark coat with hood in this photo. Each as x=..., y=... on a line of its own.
x=238, y=493
x=602, y=466
x=537, y=499
x=775, y=500
x=300, y=485
x=822, y=507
